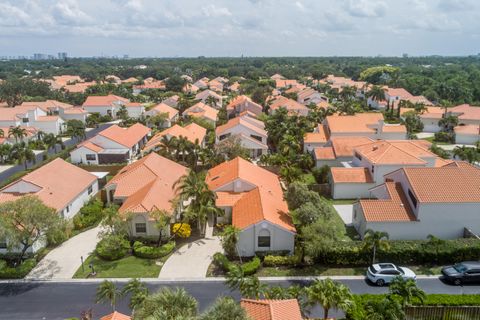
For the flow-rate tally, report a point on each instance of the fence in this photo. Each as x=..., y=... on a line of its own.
x=442, y=313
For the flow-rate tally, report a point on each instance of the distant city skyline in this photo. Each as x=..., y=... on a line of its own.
x=189, y=28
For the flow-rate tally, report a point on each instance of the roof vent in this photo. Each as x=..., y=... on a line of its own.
x=375, y=148
x=401, y=204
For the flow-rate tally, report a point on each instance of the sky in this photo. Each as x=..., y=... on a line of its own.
x=190, y=28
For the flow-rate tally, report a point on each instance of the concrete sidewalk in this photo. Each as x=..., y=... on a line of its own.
x=63, y=261
x=191, y=260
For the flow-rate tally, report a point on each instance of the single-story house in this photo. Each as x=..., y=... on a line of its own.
x=192, y=132
x=59, y=185
x=288, y=309
x=467, y=134
x=110, y=104
x=292, y=106
x=112, y=145
x=144, y=186
x=172, y=113
x=204, y=95
x=172, y=101
x=31, y=116
x=202, y=111
x=252, y=199
x=338, y=151
x=243, y=103
x=416, y=202
x=316, y=139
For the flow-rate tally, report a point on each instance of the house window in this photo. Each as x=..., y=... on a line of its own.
x=3, y=243
x=90, y=157
x=373, y=169
x=263, y=241
x=412, y=197
x=68, y=208
x=90, y=190
x=256, y=137
x=358, y=156
x=140, y=227
x=24, y=120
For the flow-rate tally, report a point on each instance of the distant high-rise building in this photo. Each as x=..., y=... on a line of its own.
x=40, y=56
x=62, y=55
x=125, y=56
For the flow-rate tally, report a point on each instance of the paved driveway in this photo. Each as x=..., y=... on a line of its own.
x=63, y=261
x=192, y=259
x=345, y=211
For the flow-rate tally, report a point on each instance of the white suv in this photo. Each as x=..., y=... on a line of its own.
x=382, y=273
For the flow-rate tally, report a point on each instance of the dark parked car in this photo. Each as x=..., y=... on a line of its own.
x=463, y=272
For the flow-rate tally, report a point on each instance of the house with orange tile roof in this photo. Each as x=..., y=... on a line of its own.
x=467, y=134
x=243, y=103
x=201, y=84
x=6, y=137
x=252, y=199
x=316, y=139
x=235, y=87
x=190, y=88
x=116, y=316
x=292, y=106
x=277, y=76
x=149, y=84
x=31, y=116
x=337, y=151
x=467, y=115
x=338, y=83
x=215, y=85
x=309, y=95
x=163, y=108
x=144, y=186
x=370, y=125
x=394, y=95
x=193, y=132
x=110, y=104
x=112, y=145
x=286, y=83
x=288, y=309
x=416, y=202
x=59, y=185
x=372, y=161
x=202, y=111
x=204, y=95
x=251, y=132
x=64, y=110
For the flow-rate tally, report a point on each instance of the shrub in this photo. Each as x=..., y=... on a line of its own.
x=222, y=261
x=59, y=235
x=444, y=137
x=252, y=266
x=19, y=272
x=183, y=230
x=148, y=252
x=89, y=215
x=112, y=247
x=277, y=261
x=263, y=254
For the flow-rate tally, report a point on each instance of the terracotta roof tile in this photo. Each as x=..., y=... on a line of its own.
x=165, y=108
x=103, y=100
x=115, y=316
x=351, y=175
x=324, y=153
x=272, y=309
x=240, y=121
x=201, y=110
x=127, y=137
x=343, y=146
x=360, y=122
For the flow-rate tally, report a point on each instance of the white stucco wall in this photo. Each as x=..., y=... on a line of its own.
x=430, y=125
x=470, y=139
x=280, y=239
x=79, y=156
x=103, y=110
x=80, y=201
x=351, y=190
x=135, y=112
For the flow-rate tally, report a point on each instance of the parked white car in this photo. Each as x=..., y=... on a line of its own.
x=382, y=273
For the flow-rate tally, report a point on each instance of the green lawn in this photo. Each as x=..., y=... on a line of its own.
x=317, y=270
x=128, y=267
x=432, y=140
x=308, y=178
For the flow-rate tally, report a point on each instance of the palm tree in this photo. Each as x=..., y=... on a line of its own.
x=51, y=141
x=167, y=304
x=76, y=129
x=5, y=152
x=107, y=292
x=448, y=122
x=207, y=208
x=386, y=309
x=407, y=290
x=17, y=132
x=162, y=220
x=229, y=239
x=40, y=135
x=330, y=295
x=2, y=133
x=167, y=145
x=249, y=287
x=22, y=153
x=374, y=240
x=467, y=154
x=376, y=93
x=138, y=291
x=211, y=101
x=225, y=308
x=347, y=93
x=182, y=147
x=420, y=107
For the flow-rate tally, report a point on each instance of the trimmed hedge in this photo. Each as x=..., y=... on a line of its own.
x=402, y=252
x=248, y=268
x=19, y=272
x=147, y=252
x=112, y=247
x=280, y=261
x=89, y=215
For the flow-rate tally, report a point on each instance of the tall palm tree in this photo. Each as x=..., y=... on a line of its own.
x=51, y=141
x=17, y=132
x=2, y=133
x=249, y=287
x=211, y=101
x=467, y=154
x=374, y=240
x=386, y=309
x=171, y=304
x=168, y=145
x=330, y=295
x=22, y=153
x=40, y=135
x=347, y=93
x=376, y=93
x=5, y=152
x=107, y=291
x=407, y=290
x=138, y=292
x=229, y=238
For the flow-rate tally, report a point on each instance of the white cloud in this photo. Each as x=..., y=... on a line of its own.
x=366, y=8
x=214, y=11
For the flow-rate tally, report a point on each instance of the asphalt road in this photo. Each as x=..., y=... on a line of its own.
x=60, y=300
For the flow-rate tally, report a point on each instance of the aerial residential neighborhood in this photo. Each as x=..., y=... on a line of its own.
x=248, y=160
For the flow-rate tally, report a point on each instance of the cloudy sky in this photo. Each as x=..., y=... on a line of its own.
x=234, y=27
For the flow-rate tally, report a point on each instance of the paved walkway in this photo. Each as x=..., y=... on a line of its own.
x=63, y=261
x=345, y=211
x=192, y=259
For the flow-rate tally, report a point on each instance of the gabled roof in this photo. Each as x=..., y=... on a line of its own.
x=206, y=93
x=263, y=202
x=272, y=309
x=116, y=316
x=470, y=129
x=395, y=208
x=201, y=110
x=93, y=101
x=148, y=184
x=191, y=132
x=400, y=152
x=466, y=112
x=47, y=105
x=127, y=137
x=244, y=100
x=165, y=108
x=239, y=121
x=60, y=183
x=289, y=104
x=343, y=146
x=324, y=153
x=316, y=137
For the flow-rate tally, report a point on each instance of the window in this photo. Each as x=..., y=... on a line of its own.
x=358, y=156
x=90, y=157
x=90, y=190
x=3, y=243
x=412, y=197
x=263, y=241
x=140, y=227
x=256, y=137
x=68, y=208
x=373, y=169
x=24, y=120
